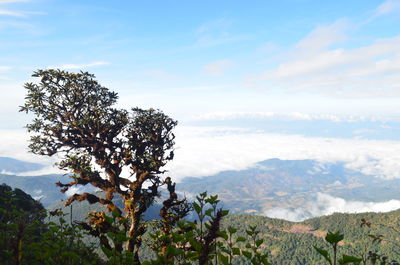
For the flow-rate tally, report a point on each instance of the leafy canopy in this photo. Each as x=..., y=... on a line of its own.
x=76, y=118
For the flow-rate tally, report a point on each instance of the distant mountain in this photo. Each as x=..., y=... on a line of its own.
x=269, y=184
x=41, y=188
x=289, y=184
x=11, y=165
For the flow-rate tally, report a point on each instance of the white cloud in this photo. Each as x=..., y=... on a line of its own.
x=291, y=116
x=315, y=65
x=11, y=13
x=204, y=151
x=207, y=151
x=325, y=204
x=14, y=143
x=214, y=33
x=387, y=7
x=75, y=189
x=322, y=37
x=7, y=12
x=79, y=66
x=48, y=170
x=12, y=1
x=217, y=68
x=4, y=68
x=158, y=74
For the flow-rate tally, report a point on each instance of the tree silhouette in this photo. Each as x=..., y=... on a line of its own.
x=118, y=151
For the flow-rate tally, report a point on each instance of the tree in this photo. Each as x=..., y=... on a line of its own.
x=114, y=150
x=25, y=238
x=20, y=215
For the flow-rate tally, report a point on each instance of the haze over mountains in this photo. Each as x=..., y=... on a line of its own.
x=289, y=189
x=11, y=165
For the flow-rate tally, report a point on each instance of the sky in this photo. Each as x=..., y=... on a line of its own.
x=190, y=58
x=247, y=80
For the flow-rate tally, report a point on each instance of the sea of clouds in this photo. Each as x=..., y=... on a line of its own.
x=204, y=151
x=325, y=204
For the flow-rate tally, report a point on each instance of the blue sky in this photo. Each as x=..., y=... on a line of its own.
x=272, y=71
x=194, y=57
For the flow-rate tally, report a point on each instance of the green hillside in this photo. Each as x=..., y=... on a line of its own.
x=291, y=243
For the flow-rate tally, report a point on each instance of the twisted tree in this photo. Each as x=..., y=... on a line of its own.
x=114, y=150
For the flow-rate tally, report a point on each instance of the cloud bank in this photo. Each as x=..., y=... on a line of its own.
x=202, y=151
x=291, y=116
x=325, y=204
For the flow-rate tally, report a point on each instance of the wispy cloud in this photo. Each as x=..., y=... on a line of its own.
x=325, y=204
x=11, y=13
x=79, y=66
x=387, y=7
x=217, y=68
x=215, y=33
x=4, y=68
x=12, y=1
x=291, y=116
x=315, y=65
x=157, y=73
x=322, y=37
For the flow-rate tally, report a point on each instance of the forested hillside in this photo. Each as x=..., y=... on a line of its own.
x=289, y=243
x=292, y=243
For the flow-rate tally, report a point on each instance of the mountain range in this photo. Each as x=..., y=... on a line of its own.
x=290, y=184
x=269, y=184
x=272, y=183
x=8, y=164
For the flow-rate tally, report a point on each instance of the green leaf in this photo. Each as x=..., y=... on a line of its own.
x=247, y=254
x=223, y=259
x=209, y=212
x=324, y=253
x=232, y=230
x=223, y=234
x=196, y=207
x=107, y=252
x=115, y=213
x=241, y=239
x=236, y=251
x=224, y=212
x=203, y=194
x=195, y=244
x=349, y=259
x=334, y=238
x=108, y=219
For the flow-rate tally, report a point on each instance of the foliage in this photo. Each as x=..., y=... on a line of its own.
x=203, y=241
x=333, y=239
x=25, y=238
x=76, y=119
